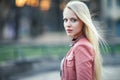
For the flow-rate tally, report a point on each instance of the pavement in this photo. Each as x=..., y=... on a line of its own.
x=49, y=70
x=52, y=75
x=109, y=73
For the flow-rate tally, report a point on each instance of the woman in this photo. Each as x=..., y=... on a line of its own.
x=83, y=60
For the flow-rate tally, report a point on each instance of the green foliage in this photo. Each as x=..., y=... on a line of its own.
x=14, y=52
x=6, y=53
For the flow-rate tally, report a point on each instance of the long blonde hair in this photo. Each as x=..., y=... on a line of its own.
x=82, y=11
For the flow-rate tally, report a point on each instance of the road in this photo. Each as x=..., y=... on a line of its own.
x=109, y=73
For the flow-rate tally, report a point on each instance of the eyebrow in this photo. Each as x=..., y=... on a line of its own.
x=71, y=18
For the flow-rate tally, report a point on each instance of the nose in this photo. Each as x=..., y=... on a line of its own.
x=67, y=24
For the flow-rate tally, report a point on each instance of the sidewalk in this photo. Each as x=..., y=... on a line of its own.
x=49, y=70
x=52, y=75
x=109, y=73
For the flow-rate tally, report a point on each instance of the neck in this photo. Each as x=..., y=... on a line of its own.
x=77, y=36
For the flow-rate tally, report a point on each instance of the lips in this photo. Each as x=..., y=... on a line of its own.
x=69, y=30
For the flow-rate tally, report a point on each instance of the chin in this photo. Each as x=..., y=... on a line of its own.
x=70, y=35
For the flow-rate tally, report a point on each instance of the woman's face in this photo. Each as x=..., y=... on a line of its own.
x=72, y=24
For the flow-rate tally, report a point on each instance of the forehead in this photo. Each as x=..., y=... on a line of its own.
x=68, y=13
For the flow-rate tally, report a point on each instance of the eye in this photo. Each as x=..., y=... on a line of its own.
x=73, y=20
x=65, y=20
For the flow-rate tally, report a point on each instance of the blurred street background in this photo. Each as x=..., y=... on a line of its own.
x=33, y=40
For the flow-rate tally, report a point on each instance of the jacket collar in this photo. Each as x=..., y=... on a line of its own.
x=74, y=40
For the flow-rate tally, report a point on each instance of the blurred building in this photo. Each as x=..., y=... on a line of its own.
x=31, y=18
x=111, y=15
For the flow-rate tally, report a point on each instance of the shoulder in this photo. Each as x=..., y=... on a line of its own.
x=84, y=42
x=84, y=47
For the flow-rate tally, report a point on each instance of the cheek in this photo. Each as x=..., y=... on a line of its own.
x=64, y=27
x=64, y=24
x=78, y=28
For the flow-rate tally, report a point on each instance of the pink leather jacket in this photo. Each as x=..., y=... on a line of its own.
x=78, y=64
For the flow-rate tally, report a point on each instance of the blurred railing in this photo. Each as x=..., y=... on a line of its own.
x=30, y=51
x=16, y=58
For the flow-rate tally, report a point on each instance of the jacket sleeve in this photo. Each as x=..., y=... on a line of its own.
x=84, y=63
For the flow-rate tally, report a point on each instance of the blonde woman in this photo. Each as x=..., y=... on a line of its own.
x=83, y=60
